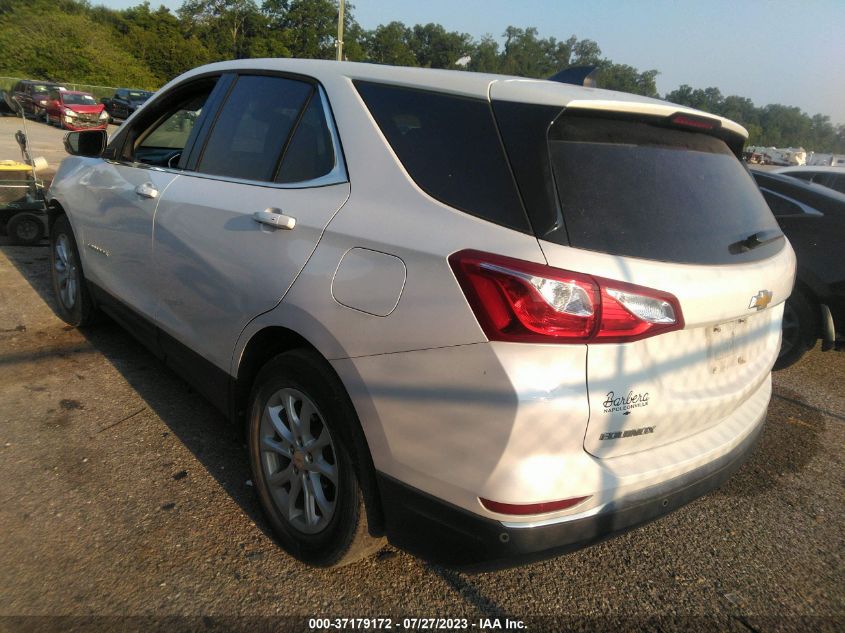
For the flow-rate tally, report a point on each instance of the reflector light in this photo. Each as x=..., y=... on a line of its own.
x=531, y=508
x=521, y=301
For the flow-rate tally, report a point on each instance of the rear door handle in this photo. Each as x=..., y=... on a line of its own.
x=147, y=190
x=275, y=218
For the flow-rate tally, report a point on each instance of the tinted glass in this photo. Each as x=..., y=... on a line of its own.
x=837, y=182
x=309, y=154
x=450, y=147
x=803, y=175
x=640, y=190
x=251, y=130
x=72, y=99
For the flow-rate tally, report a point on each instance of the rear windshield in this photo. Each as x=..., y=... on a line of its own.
x=641, y=190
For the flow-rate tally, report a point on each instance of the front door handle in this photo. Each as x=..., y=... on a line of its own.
x=147, y=190
x=275, y=218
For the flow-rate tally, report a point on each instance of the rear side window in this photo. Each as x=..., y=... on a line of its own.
x=450, y=147
x=310, y=153
x=250, y=133
x=642, y=190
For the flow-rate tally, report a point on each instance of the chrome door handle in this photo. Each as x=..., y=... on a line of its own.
x=147, y=190
x=275, y=218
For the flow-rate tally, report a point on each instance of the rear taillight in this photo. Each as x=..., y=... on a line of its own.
x=520, y=301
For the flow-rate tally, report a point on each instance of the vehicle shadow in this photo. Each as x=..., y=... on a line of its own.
x=215, y=441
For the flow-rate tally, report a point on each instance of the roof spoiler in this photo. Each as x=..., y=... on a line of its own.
x=578, y=75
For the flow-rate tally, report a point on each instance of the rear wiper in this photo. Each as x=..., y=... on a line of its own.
x=754, y=240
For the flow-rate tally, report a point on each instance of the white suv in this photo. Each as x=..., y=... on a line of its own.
x=488, y=318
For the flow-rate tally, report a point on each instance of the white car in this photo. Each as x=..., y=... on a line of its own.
x=488, y=318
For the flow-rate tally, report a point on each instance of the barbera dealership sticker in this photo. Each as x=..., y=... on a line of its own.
x=615, y=404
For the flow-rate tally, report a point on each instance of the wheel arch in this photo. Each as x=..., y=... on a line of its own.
x=265, y=345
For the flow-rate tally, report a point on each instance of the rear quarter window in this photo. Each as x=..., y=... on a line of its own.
x=450, y=146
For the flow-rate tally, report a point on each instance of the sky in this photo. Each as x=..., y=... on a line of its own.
x=772, y=51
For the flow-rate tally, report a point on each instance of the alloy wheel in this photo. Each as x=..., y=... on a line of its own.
x=67, y=272
x=299, y=460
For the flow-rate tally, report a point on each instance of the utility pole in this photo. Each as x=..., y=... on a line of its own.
x=340, y=32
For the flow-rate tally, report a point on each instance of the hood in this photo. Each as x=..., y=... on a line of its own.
x=85, y=109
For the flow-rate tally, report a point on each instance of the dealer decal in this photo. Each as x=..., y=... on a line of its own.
x=615, y=404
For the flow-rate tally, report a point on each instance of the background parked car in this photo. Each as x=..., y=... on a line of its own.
x=813, y=218
x=33, y=96
x=124, y=102
x=832, y=177
x=73, y=110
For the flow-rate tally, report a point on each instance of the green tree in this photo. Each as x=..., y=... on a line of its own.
x=484, y=57
x=222, y=24
x=435, y=47
x=390, y=44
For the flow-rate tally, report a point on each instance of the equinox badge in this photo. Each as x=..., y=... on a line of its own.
x=761, y=300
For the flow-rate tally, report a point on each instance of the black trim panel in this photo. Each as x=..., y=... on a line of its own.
x=216, y=385
x=446, y=534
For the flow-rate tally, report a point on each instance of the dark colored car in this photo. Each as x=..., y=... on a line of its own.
x=813, y=218
x=72, y=110
x=124, y=102
x=830, y=177
x=32, y=95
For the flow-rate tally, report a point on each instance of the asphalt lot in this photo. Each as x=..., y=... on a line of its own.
x=123, y=493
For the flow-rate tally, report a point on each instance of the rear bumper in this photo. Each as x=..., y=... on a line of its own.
x=445, y=534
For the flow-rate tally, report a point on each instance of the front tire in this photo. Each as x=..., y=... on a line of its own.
x=76, y=306
x=800, y=329
x=302, y=453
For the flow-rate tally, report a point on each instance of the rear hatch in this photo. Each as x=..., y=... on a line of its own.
x=640, y=194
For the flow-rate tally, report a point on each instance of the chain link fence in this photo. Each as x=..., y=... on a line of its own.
x=98, y=92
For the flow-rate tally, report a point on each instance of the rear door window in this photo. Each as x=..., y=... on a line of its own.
x=642, y=190
x=310, y=152
x=249, y=136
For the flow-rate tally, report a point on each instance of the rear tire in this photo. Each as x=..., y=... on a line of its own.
x=75, y=304
x=304, y=464
x=25, y=228
x=800, y=329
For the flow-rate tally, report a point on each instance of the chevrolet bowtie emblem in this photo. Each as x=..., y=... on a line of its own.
x=760, y=300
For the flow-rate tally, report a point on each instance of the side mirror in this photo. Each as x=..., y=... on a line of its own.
x=91, y=143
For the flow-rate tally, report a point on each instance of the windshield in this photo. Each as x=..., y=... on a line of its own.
x=635, y=189
x=72, y=99
x=41, y=88
x=138, y=95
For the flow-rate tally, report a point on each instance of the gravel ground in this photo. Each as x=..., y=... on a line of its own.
x=123, y=493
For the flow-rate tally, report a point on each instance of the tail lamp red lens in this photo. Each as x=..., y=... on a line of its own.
x=521, y=301
x=531, y=508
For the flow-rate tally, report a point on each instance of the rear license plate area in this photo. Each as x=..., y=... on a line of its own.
x=726, y=345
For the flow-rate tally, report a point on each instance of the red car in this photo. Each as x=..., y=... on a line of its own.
x=72, y=110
